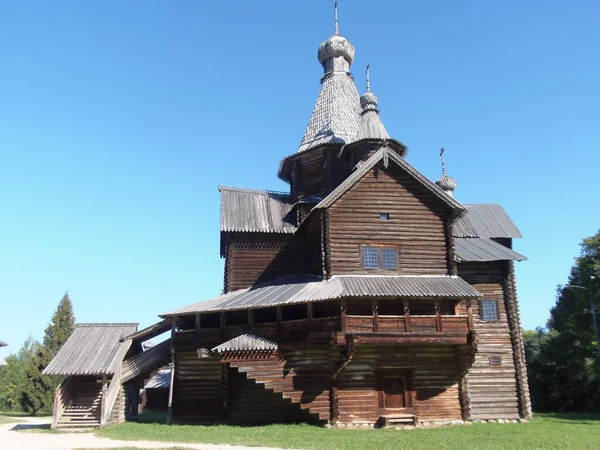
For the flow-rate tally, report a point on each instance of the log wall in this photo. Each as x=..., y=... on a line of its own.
x=436, y=374
x=492, y=387
x=416, y=224
x=254, y=258
x=198, y=394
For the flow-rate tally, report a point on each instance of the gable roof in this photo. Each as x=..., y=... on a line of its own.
x=245, y=342
x=92, y=349
x=385, y=154
x=250, y=210
x=484, y=249
x=304, y=289
x=485, y=220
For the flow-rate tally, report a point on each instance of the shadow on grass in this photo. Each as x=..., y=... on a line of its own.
x=571, y=417
x=36, y=427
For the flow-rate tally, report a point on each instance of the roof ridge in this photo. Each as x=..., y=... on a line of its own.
x=106, y=324
x=261, y=191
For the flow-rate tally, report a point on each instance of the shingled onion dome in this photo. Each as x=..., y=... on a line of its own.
x=446, y=182
x=336, y=113
x=370, y=126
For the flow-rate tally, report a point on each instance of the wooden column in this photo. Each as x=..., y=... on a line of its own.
x=344, y=316
x=279, y=322
x=222, y=325
x=407, y=315
x=438, y=316
x=250, y=319
x=469, y=315
x=103, y=400
x=170, y=404
x=197, y=322
x=309, y=316
x=375, y=316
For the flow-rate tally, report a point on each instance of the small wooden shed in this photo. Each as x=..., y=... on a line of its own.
x=91, y=393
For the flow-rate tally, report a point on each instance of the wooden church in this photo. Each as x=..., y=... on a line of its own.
x=366, y=294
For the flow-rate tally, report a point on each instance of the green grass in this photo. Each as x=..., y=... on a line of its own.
x=132, y=448
x=543, y=432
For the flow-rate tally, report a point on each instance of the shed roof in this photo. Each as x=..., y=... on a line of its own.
x=245, y=342
x=484, y=249
x=160, y=380
x=303, y=289
x=256, y=211
x=485, y=220
x=92, y=349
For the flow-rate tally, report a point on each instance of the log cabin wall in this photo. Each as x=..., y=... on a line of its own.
x=435, y=373
x=415, y=225
x=198, y=394
x=492, y=384
x=254, y=258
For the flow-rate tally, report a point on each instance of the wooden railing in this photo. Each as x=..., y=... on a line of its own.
x=407, y=324
x=61, y=398
x=109, y=396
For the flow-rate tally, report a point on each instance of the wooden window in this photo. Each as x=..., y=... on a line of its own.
x=489, y=310
x=379, y=257
x=495, y=360
x=384, y=216
x=370, y=257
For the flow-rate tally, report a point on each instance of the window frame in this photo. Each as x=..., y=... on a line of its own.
x=481, y=309
x=379, y=249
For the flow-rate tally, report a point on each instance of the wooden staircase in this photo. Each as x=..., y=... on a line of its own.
x=83, y=408
x=146, y=362
x=309, y=387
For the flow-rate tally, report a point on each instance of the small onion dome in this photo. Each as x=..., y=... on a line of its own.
x=447, y=183
x=336, y=45
x=368, y=101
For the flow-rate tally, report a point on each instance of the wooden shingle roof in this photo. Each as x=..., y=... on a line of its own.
x=249, y=210
x=93, y=349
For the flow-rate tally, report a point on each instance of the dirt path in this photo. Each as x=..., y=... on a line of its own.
x=11, y=438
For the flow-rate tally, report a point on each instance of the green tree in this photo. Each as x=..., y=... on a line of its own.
x=563, y=365
x=61, y=326
x=13, y=377
x=38, y=390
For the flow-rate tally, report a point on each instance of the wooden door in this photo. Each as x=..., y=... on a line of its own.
x=395, y=392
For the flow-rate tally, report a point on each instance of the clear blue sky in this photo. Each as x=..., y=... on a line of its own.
x=118, y=120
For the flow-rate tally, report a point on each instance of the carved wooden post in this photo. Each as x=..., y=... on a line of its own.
x=375, y=316
x=344, y=317
x=469, y=315
x=407, y=315
x=438, y=317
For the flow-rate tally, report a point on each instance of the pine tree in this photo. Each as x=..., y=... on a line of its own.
x=61, y=327
x=38, y=390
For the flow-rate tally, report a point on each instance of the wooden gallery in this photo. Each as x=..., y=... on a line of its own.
x=366, y=294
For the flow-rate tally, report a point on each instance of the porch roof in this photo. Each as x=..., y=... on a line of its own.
x=304, y=289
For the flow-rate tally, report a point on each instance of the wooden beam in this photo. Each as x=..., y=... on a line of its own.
x=469, y=315
x=223, y=325
x=250, y=318
x=438, y=317
x=407, y=315
x=375, y=316
x=344, y=316
x=170, y=404
x=198, y=321
x=279, y=321
x=309, y=316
